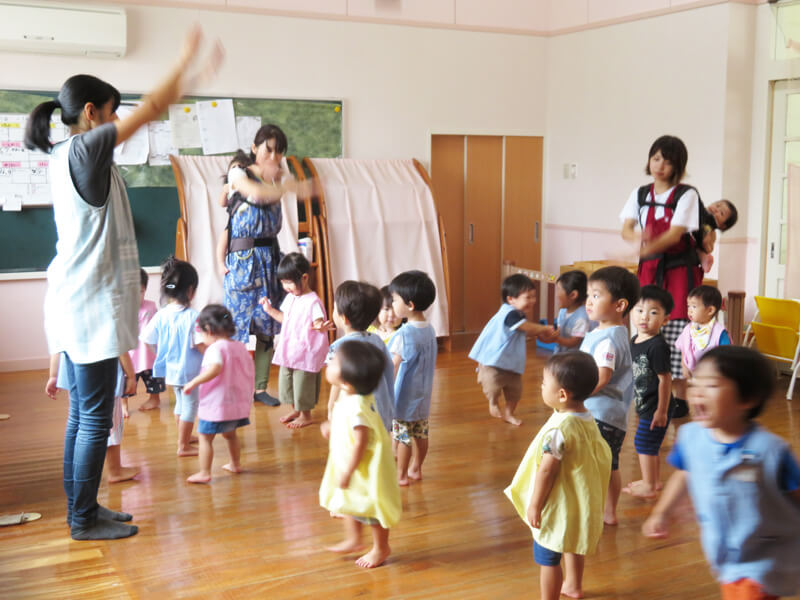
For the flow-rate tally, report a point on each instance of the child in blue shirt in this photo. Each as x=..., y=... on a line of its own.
x=413, y=350
x=743, y=480
x=572, y=322
x=500, y=348
x=612, y=293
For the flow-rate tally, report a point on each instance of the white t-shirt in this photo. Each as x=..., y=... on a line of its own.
x=605, y=354
x=212, y=356
x=554, y=440
x=397, y=341
x=686, y=214
x=316, y=310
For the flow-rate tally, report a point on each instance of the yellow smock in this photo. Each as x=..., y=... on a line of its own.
x=572, y=517
x=373, y=491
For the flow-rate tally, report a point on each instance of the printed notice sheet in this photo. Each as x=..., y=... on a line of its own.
x=217, y=126
x=184, y=127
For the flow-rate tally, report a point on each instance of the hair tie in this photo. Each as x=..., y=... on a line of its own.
x=170, y=286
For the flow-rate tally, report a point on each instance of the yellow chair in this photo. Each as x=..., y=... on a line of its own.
x=777, y=333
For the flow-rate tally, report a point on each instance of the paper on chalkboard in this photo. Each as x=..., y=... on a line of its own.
x=160, y=143
x=246, y=128
x=135, y=149
x=184, y=127
x=217, y=126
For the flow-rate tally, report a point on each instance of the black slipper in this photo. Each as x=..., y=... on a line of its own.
x=265, y=398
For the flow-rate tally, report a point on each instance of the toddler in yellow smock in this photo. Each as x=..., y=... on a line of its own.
x=360, y=480
x=560, y=486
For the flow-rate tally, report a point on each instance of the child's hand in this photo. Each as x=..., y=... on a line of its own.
x=50, y=388
x=265, y=303
x=325, y=429
x=344, y=481
x=187, y=389
x=130, y=385
x=534, y=517
x=655, y=527
x=659, y=420
x=323, y=326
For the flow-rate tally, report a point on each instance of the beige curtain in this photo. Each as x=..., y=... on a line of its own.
x=382, y=221
x=206, y=220
x=792, y=281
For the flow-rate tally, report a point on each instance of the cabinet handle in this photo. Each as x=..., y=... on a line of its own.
x=536, y=232
x=471, y=233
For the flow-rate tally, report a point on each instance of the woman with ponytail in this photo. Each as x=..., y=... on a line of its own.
x=92, y=299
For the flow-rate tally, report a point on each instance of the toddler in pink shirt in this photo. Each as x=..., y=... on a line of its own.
x=143, y=358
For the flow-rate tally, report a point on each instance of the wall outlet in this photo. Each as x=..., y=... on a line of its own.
x=570, y=170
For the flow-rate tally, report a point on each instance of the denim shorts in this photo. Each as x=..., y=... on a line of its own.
x=544, y=557
x=186, y=404
x=212, y=427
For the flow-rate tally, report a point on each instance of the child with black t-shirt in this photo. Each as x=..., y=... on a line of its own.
x=652, y=382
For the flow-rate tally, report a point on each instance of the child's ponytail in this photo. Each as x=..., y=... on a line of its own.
x=37, y=131
x=178, y=280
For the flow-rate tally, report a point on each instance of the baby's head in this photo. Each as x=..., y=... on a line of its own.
x=217, y=321
x=730, y=385
x=518, y=291
x=356, y=304
x=241, y=159
x=386, y=317
x=143, y=280
x=356, y=366
x=571, y=289
x=568, y=379
x=724, y=213
x=293, y=273
x=612, y=292
x=703, y=304
x=178, y=281
x=412, y=291
x=652, y=310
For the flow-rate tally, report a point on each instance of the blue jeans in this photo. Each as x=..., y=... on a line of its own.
x=91, y=406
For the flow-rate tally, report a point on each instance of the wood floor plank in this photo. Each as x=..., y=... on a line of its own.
x=262, y=534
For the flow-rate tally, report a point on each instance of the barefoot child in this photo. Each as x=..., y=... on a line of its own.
x=612, y=293
x=143, y=358
x=652, y=385
x=388, y=322
x=126, y=385
x=303, y=345
x=171, y=333
x=226, y=389
x=500, y=348
x=572, y=322
x=744, y=481
x=355, y=306
x=560, y=486
x=413, y=350
x=360, y=480
x=704, y=330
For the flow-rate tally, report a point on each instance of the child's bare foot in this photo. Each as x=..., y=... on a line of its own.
x=336, y=515
x=641, y=489
x=659, y=486
x=374, y=558
x=509, y=418
x=571, y=592
x=300, y=422
x=187, y=451
x=232, y=468
x=415, y=474
x=193, y=440
x=123, y=474
x=494, y=410
x=610, y=519
x=150, y=404
x=199, y=477
x=290, y=417
x=346, y=547
x=402, y=481
x=125, y=413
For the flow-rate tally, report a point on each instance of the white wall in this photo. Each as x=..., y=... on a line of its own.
x=397, y=83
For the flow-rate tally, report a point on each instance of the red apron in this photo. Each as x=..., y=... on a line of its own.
x=668, y=270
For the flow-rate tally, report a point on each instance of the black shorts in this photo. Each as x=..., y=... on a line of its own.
x=614, y=438
x=153, y=385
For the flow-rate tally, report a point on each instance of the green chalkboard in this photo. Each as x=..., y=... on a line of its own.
x=28, y=238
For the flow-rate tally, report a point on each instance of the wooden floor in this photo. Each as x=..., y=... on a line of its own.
x=260, y=534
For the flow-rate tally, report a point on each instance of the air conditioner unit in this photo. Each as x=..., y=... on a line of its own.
x=54, y=28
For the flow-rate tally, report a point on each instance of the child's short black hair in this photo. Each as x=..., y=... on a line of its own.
x=620, y=283
x=361, y=364
x=358, y=302
x=143, y=278
x=731, y=220
x=292, y=268
x=673, y=150
x=515, y=285
x=708, y=295
x=414, y=287
x=574, y=281
x=657, y=294
x=217, y=320
x=576, y=372
x=178, y=280
x=386, y=296
x=749, y=370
